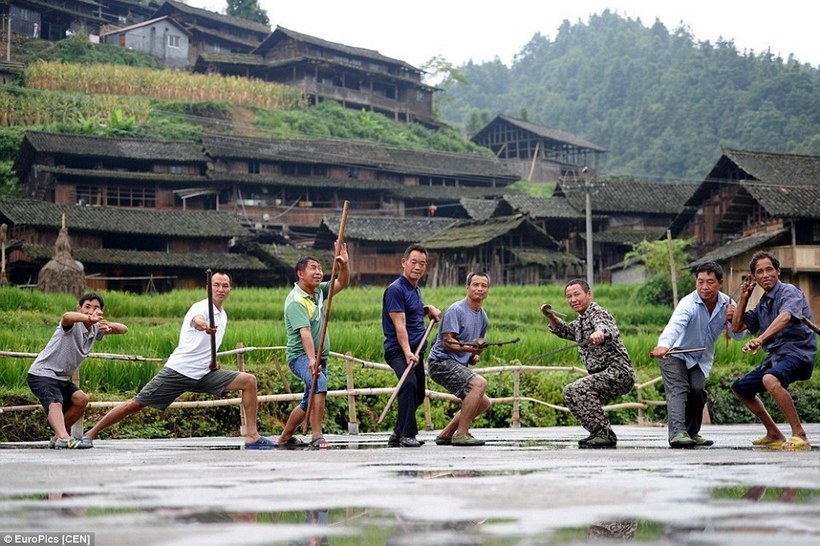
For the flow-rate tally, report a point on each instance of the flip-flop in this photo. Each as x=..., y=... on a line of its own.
x=292, y=443
x=796, y=442
x=261, y=443
x=319, y=443
x=765, y=441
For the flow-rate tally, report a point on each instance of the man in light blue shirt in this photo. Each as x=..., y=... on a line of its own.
x=697, y=321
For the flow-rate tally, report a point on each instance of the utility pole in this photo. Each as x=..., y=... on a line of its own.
x=8, y=41
x=588, y=202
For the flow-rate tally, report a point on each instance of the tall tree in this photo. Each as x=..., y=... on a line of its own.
x=247, y=9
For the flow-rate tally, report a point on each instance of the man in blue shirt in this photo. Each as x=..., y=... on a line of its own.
x=403, y=312
x=697, y=321
x=792, y=348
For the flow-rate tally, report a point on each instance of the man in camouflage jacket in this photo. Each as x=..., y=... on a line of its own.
x=605, y=357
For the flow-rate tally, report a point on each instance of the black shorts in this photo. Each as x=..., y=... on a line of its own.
x=49, y=390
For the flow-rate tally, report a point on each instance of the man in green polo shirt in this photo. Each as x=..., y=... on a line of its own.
x=304, y=314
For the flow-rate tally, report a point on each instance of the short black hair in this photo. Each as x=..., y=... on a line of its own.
x=759, y=256
x=711, y=267
x=92, y=296
x=302, y=264
x=220, y=272
x=580, y=282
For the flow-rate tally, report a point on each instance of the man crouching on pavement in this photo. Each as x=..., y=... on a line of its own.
x=464, y=320
x=605, y=357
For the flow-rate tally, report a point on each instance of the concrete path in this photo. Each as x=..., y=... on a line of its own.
x=526, y=487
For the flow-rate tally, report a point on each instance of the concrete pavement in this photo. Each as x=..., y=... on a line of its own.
x=527, y=487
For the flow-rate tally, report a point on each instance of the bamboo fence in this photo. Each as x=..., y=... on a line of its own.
x=351, y=392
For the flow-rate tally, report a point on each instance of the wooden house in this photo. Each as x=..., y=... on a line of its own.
x=355, y=77
x=378, y=243
x=758, y=200
x=162, y=38
x=535, y=152
x=635, y=210
x=119, y=172
x=214, y=32
x=512, y=250
x=127, y=249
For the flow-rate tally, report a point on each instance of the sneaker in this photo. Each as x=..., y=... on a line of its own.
x=51, y=443
x=409, y=441
x=393, y=441
x=599, y=441
x=63, y=443
x=444, y=440
x=466, y=440
x=585, y=440
x=681, y=440
x=85, y=443
x=700, y=441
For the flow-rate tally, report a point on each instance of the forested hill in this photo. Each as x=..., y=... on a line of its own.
x=660, y=102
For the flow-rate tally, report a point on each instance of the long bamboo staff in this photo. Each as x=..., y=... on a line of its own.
x=213, y=365
x=403, y=377
x=340, y=240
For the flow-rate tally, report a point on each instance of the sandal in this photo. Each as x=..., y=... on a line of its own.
x=319, y=443
x=292, y=443
x=260, y=443
x=765, y=441
x=795, y=442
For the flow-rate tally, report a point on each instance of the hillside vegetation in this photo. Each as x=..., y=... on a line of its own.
x=660, y=102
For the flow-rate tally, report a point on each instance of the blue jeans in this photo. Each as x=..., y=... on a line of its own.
x=299, y=367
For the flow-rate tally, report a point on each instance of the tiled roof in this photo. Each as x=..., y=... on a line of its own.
x=640, y=196
x=345, y=49
x=388, y=230
x=446, y=193
x=544, y=132
x=479, y=209
x=126, y=148
x=738, y=247
x=627, y=235
x=304, y=181
x=471, y=234
x=354, y=153
x=172, y=223
x=213, y=16
x=231, y=58
x=547, y=258
x=191, y=260
x=541, y=207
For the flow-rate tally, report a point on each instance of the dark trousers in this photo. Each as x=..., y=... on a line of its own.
x=685, y=395
x=411, y=394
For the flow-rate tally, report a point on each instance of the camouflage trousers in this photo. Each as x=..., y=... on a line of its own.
x=586, y=397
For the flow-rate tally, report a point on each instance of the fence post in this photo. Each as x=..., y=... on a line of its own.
x=428, y=417
x=516, y=411
x=352, y=419
x=641, y=416
x=77, y=428
x=240, y=365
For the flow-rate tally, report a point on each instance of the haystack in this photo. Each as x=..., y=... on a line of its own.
x=62, y=273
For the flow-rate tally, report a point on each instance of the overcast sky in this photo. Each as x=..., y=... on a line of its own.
x=480, y=30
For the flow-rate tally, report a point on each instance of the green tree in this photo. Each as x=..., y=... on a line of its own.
x=655, y=256
x=247, y=9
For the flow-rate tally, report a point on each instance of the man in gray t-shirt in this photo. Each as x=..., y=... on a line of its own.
x=49, y=376
x=464, y=322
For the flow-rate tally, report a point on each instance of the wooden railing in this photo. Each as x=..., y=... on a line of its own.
x=516, y=369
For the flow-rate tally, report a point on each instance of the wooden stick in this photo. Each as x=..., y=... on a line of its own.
x=213, y=365
x=811, y=325
x=403, y=377
x=340, y=241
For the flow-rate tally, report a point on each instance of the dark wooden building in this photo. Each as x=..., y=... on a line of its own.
x=355, y=77
x=535, y=152
x=758, y=200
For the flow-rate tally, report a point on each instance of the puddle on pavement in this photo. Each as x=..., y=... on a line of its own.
x=464, y=473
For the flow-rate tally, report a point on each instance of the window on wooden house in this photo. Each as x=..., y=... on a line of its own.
x=173, y=40
x=130, y=196
x=176, y=169
x=253, y=167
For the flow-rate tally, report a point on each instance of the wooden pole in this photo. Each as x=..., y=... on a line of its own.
x=323, y=331
x=240, y=366
x=211, y=323
x=352, y=419
x=672, y=271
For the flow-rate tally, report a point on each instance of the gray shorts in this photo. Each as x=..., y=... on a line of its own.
x=168, y=384
x=452, y=375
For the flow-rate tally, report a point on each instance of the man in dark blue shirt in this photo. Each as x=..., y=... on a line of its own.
x=403, y=312
x=792, y=346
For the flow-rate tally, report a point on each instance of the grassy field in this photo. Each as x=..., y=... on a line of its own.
x=29, y=319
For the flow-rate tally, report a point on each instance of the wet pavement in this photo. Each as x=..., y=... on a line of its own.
x=525, y=487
